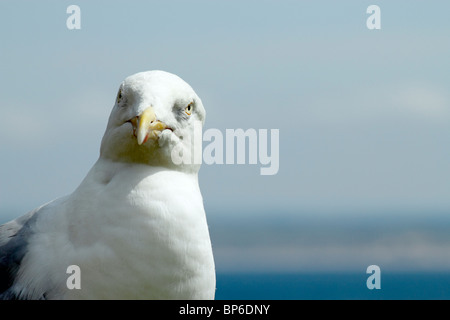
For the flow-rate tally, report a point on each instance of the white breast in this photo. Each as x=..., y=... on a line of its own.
x=137, y=234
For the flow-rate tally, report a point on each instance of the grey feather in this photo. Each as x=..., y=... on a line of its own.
x=14, y=237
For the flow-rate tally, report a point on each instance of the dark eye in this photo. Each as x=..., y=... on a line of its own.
x=188, y=109
x=119, y=96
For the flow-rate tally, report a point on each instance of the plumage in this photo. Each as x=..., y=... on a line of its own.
x=135, y=226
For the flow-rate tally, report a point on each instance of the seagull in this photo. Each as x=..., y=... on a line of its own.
x=135, y=228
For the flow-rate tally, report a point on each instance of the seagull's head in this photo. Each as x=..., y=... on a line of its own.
x=154, y=113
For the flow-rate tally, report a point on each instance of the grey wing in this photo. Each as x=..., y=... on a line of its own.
x=14, y=237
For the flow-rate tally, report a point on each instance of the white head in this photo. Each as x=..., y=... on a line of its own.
x=154, y=112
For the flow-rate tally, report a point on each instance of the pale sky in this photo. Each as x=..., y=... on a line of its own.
x=363, y=115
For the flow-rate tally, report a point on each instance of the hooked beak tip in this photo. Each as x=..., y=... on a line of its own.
x=146, y=126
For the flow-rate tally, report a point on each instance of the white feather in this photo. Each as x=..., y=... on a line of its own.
x=135, y=226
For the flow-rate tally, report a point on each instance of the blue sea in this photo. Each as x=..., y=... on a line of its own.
x=346, y=286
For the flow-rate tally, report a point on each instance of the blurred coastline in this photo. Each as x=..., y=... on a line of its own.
x=289, y=243
x=316, y=257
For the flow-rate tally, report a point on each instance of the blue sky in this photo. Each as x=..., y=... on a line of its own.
x=363, y=114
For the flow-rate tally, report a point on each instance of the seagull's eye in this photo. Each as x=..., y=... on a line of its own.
x=188, y=109
x=119, y=96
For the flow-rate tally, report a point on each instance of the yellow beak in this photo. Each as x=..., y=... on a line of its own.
x=148, y=127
